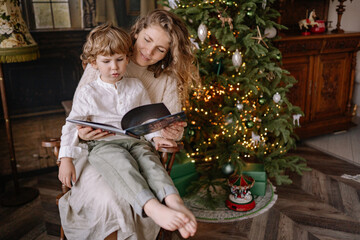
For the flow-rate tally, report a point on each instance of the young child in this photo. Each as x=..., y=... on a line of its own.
x=129, y=165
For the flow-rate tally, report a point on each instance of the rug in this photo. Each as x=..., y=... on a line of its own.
x=222, y=214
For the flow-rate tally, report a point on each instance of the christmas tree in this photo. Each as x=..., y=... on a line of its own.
x=240, y=113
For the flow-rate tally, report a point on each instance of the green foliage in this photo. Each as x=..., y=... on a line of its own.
x=233, y=106
x=5, y=17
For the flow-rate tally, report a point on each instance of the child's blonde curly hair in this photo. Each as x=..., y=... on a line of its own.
x=106, y=40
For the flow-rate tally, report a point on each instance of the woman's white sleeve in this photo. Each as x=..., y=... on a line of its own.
x=90, y=74
x=171, y=96
x=145, y=99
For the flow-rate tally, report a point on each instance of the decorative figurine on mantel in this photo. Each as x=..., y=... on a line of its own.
x=240, y=199
x=310, y=21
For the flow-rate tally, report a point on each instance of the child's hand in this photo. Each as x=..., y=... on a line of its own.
x=87, y=133
x=67, y=171
x=159, y=141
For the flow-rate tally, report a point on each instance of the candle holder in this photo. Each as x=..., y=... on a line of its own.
x=340, y=10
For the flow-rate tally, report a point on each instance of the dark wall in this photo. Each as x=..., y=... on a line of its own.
x=127, y=18
x=41, y=85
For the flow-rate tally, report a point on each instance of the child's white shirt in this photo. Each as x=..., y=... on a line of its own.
x=102, y=102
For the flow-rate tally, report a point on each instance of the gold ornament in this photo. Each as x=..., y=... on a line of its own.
x=225, y=19
x=270, y=76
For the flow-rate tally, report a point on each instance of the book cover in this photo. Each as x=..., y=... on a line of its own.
x=139, y=121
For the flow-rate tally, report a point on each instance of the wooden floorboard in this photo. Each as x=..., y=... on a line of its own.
x=325, y=181
x=24, y=222
x=306, y=209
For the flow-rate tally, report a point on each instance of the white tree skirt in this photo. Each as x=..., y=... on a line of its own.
x=222, y=214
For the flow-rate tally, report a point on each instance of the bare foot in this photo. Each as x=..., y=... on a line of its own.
x=164, y=216
x=184, y=233
x=174, y=202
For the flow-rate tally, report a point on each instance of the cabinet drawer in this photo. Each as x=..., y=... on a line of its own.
x=300, y=47
x=341, y=44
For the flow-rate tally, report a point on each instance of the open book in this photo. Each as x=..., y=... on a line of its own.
x=139, y=121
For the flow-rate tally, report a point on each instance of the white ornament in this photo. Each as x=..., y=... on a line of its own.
x=270, y=32
x=202, y=32
x=277, y=97
x=264, y=4
x=255, y=139
x=236, y=59
x=239, y=106
x=296, y=119
x=229, y=119
x=194, y=43
x=228, y=168
x=173, y=3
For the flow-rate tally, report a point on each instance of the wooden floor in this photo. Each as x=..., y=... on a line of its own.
x=344, y=144
x=319, y=205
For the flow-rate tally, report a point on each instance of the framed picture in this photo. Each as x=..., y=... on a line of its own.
x=133, y=7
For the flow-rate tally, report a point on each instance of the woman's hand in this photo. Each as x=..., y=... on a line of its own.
x=87, y=133
x=67, y=171
x=174, y=131
x=160, y=141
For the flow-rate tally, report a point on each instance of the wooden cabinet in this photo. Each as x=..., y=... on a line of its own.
x=324, y=66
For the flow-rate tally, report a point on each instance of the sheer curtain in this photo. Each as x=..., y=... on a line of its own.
x=146, y=6
x=100, y=11
x=105, y=12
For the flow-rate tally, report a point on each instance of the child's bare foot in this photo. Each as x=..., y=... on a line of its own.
x=165, y=217
x=188, y=229
x=184, y=233
x=174, y=202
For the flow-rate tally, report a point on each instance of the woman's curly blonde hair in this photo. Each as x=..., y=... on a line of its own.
x=179, y=60
x=106, y=40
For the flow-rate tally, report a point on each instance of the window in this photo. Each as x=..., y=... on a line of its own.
x=53, y=14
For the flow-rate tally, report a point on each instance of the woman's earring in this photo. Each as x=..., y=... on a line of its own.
x=162, y=66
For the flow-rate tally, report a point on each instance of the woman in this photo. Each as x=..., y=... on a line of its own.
x=162, y=59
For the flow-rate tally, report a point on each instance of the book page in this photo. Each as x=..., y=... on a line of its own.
x=157, y=124
x=96, y=125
